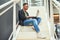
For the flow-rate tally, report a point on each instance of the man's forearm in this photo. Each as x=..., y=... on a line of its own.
x=29, y=16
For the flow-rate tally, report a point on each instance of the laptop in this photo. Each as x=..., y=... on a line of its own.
x=36, y=14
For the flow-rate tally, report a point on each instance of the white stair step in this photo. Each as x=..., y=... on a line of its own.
x=27, y=35
x=26, y=32
x=27, y=29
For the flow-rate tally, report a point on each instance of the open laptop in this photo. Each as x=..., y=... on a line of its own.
x=36, y=14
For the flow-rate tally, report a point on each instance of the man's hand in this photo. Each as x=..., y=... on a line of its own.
x=30, y=16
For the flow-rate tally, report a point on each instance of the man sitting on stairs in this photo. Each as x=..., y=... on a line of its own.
x=26, y=20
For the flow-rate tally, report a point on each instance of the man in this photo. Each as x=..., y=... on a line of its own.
x=25, y=19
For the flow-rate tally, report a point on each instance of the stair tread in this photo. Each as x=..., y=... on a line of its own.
x=27, y=29
x=27, y=33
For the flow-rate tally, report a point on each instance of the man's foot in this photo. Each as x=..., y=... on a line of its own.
x=33, y=28
x=39, y=35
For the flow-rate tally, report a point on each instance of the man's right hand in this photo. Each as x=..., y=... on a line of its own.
x=31, y=17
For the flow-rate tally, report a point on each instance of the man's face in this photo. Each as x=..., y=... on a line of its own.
x=25, y=7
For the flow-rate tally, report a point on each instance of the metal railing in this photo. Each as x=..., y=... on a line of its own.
x=4, y=5
x=5, y=10
x=15, y=31
x=57, y=5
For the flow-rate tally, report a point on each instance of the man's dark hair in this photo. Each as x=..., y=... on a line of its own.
x=25, y=4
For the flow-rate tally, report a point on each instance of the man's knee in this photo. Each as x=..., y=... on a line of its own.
x=39, y=18
x=34, y=20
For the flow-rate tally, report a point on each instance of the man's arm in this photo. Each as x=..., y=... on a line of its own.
x=21, y=15
x=31, y=17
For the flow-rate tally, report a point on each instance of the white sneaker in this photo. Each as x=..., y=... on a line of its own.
x=39, y=35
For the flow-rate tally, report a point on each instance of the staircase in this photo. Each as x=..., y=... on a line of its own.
x=27, y=33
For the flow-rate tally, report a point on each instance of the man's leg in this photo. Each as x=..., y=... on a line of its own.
x=39, y=34
x=34, y=22
x=38, y=19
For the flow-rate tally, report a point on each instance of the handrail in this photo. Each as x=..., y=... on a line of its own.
x=6, y=10
x=14, y=17
x=5, y=4
x=57, y=5
x=12, y=31
x=56, y=2
x=10, y=36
